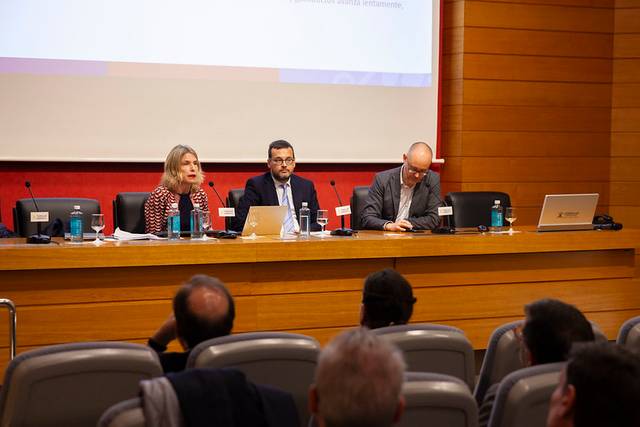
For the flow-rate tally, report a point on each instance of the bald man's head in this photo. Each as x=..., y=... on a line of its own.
x=204, y=309
x=417, y=162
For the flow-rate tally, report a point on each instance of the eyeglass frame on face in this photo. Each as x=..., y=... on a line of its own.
x=280, y=161
x=414, y=171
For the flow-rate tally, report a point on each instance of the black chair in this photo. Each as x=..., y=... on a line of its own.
x=233, y=200
x=128, y=211
x=473, y=208
x=58, y=208
x=358, y=198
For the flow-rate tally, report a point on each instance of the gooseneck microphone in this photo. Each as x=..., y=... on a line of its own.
x=222, y=234
x=441, y=229
x=38, y=239
x=213, y=187
x=342, y=231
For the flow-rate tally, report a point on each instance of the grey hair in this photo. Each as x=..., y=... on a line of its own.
x=359, y=380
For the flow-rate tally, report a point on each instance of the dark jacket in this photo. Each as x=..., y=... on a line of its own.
x=261, y=191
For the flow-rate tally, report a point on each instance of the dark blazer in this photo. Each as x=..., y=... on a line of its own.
x=383, y=201
x=261, y=191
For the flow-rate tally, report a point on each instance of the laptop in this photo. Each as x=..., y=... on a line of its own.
x=563, y=212
x=264, y=220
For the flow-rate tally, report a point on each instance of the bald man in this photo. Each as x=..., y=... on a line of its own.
x=405, y=198
x=202, y=309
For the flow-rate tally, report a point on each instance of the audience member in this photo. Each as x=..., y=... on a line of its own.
x=358, y=382
x=599, y=387
x=277, y=187
x=180, y=184
x=406, y=197
x=203, y=309
x=550, y=328
x=387, y=299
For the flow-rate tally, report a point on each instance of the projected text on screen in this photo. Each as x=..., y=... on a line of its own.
x=354, y=42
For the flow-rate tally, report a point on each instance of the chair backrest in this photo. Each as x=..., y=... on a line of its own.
x=73, y=384
x=473, y=208
x=233, y=200
x=434, y=348
x=58, y=208
x=128, y=212
x=282, y=360
x=503, y=356
x=128, y=413
x=522, y=398
x=437, y=400
x=629, y=334
x=358, y=198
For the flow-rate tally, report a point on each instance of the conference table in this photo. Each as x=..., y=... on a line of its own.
x=122, y=290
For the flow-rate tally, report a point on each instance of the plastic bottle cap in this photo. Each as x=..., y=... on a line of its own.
x=304, y=204
x=196, y=205
x=174, y=205
x=76, y=207
x=497, y=202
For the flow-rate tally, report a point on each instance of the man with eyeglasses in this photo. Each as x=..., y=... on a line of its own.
x=279, y=186
x=405, y=198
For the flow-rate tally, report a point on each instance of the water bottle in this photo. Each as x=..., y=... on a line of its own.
x=497, y=215
x=196, y=222
x=75, y=225
x=173, y=222
x=304, y=220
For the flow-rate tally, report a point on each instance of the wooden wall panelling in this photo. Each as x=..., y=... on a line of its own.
x=536, y=99
x=625, y=115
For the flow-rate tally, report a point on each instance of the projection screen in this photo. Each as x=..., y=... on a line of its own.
x=125, y=80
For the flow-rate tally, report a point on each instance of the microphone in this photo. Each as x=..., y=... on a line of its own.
x=440, y=229
x=342, y=231
x=217, y=194
x=38, y=239
x=222, y=234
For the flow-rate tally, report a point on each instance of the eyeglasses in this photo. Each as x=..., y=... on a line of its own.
x=416, y=171
x=288, y=161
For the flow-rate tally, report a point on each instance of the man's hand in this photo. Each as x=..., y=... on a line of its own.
x=401, y=225
x=167, y=332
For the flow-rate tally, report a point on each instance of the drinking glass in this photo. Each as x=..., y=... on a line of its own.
x=206, y=223
x=322, y=218
x=253, y=222
x=511, y=216
x=97, y=224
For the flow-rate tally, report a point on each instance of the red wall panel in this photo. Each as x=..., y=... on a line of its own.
x=102, y=181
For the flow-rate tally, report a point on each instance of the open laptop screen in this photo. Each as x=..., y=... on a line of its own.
x=562, y=212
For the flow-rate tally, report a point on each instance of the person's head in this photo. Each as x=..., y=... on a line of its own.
x=358, y=382
x=550, y=329
x=599, y=387
x=387, y=299
x=281, y=160
x=182, y=172
x=204, y=309
x=417, y=162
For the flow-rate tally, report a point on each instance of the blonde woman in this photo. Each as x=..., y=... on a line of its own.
x=180, y=184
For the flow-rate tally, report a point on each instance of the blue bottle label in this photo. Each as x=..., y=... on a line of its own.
x=175, y=223
x=496, y=218
x=76, y=226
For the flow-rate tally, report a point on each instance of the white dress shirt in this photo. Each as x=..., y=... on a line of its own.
x=406, y=195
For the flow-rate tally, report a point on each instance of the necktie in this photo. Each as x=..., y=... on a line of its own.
x=289, y=226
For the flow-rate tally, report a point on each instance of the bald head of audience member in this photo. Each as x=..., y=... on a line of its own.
x=599, y=387
x=417, y=162
x=358, y=382
x=204, y=309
